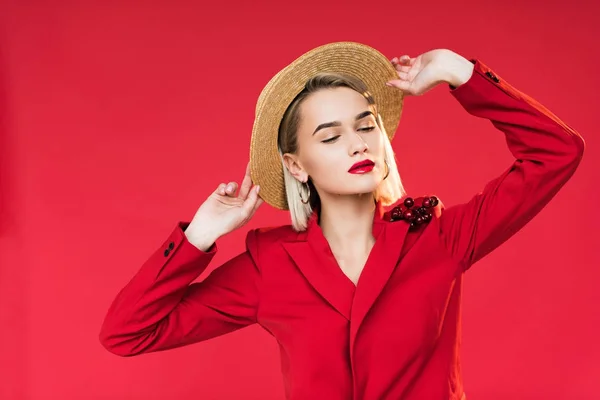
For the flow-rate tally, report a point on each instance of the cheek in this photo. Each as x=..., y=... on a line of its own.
x=323, y=162
x=375, y=143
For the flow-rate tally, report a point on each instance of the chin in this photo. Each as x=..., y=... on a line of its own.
x=353, y=185
x=368, y=186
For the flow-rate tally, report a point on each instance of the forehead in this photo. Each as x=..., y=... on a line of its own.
x=335, y=104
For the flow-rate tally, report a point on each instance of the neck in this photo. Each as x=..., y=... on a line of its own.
x=348, y=219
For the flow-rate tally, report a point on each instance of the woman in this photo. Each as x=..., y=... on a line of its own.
x=364, y=303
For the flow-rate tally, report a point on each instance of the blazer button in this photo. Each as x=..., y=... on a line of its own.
x=166, y=253
x=171, y=245
x=492, y=76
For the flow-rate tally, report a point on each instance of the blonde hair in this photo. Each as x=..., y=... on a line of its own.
x=390, y=189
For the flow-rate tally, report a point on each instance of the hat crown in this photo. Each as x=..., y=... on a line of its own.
x=356, y=59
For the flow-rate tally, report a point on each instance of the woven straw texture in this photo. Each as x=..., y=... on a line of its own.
x=355, y=59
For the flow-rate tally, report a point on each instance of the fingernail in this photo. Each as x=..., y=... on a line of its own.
x=257, y=189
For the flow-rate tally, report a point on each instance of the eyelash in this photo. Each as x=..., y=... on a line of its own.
x=365, y=129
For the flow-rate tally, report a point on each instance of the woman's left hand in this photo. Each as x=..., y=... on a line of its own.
x=421, y=74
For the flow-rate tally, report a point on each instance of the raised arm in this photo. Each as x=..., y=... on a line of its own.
x=161, y=309
x=546, y=150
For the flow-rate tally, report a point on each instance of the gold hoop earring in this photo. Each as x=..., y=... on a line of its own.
x=308, y=192
x=387, y=167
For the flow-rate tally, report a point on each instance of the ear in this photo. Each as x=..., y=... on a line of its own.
x=293, y=165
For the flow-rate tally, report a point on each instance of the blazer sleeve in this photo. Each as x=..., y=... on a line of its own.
x=161, y=309
x=546, y=154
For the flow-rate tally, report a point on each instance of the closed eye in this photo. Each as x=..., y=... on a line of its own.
x=333, y=139
x=330, y=140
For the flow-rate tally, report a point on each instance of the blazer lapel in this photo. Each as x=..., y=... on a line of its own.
x=311, y=253
x=313, y=257
x=382, y=262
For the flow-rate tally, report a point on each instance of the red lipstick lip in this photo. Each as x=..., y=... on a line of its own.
x=365, y=164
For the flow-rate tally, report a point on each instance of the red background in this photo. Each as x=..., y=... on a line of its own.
x=119, y=118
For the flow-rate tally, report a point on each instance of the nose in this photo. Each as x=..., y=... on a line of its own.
x=358, y=145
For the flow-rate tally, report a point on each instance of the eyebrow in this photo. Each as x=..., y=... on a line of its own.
x=338, y=123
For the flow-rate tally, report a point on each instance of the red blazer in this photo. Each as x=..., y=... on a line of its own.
x=396, y=334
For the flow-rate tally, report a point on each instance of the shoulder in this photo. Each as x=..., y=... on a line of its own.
x=416, y=211
x=267, y=236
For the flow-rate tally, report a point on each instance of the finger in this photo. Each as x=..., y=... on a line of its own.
x=231, y=188
x=402, y=60
x=250, y=202
x=403, y=76
x=405, y=59
x=221, y=189
x=400, y=84
x=246, y=183
x=402, y=68
x=259, y=202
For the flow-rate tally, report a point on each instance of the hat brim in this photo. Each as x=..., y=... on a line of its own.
x=355, y=59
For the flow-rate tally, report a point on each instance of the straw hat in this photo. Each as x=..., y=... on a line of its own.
x=355, y=59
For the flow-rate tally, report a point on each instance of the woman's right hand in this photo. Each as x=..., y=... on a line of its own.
x=223, y=211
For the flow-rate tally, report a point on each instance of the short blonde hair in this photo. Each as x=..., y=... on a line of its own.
x=390, y=189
